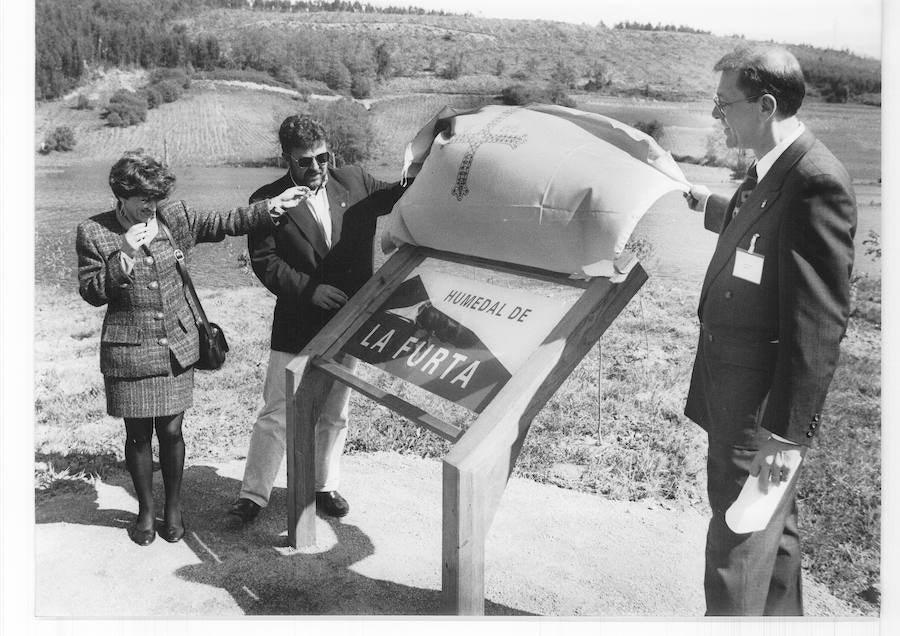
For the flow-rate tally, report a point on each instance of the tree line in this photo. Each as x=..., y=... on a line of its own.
x=647, y=26
x=74, y=35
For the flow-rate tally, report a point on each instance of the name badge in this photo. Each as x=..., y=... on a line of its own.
x=747, y=265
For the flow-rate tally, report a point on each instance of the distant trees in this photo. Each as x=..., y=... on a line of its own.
x=350, y=134
x=564, y=73
x=519, y=94
x=454, y=66
x=646, y=26
x=73, y=35
x=599, y=77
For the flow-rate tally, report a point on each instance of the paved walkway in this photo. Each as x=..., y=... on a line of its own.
x=550, y=551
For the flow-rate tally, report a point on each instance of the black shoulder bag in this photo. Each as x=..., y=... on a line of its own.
x=213, y=346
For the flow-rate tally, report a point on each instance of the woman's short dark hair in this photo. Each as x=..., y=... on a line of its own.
x=767, y=71
x=300, y=131
x=140, y=174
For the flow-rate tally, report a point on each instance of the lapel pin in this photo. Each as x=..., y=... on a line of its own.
x=343, y=204
x=763, y=204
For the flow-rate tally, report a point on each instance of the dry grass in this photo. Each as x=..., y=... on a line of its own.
x=614, y=428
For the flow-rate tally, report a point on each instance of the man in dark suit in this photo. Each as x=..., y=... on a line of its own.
x=773, y=309
x=317, y=257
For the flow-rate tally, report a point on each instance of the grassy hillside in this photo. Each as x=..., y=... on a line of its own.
x=662, y=63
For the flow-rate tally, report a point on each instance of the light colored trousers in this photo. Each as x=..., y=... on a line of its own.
x=267, y=443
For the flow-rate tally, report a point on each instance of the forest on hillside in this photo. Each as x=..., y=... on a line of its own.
x=74, y=37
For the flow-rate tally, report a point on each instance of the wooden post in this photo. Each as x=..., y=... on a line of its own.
x=307, y=388
x=478, y=466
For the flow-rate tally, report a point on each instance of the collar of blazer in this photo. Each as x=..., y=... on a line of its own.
x=303, y=219
x=760, y=202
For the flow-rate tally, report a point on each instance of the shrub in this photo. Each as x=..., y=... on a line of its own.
x=599, y=77
x=337, y=77
x=653, y=128
x=153, y=96
x=454, y=68
x=350, y=134
x=361, y=86
x=60, y=138
x=126, y=108
x=177, y=75
x=518, y=94
x=384, y=66
x=556, y=94
x=519, y=75
x=168, y=90
x=83, y=103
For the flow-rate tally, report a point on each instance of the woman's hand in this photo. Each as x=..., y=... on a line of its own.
x=290, y=198
x=135, y=236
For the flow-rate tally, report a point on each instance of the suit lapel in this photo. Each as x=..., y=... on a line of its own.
x=338, y=200
x=301, y=216
x=760, y=202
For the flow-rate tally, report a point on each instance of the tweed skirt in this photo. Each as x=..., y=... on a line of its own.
x=152, y=396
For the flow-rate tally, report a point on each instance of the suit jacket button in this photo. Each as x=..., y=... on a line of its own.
x=816, y=417
x=813, y=426
x=148, y=260
x=809, y=433
x=163, y=341
x=728, y=295
x=343, y=204
x=153, y=285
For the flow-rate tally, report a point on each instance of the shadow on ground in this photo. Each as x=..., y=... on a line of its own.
x=252, y=563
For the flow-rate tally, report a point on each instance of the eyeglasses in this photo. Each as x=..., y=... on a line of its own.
x=305, y=162
x=721, y=106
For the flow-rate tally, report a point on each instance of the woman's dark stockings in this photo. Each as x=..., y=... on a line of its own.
x=139, y=459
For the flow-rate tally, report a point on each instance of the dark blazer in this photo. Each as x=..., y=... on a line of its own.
x=767, y=352
x=293, y=260
x=148, y=315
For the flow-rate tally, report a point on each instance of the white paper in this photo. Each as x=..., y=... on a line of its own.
x=748, y=266
x=753, y=509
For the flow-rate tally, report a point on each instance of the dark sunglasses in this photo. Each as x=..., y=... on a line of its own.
x=305, y=162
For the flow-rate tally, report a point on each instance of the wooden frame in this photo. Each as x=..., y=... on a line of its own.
x=478, y=466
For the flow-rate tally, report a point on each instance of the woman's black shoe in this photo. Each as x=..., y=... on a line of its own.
x=141, y=537
x=172, y=534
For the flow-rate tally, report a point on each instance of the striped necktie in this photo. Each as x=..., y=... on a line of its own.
x=745, y=190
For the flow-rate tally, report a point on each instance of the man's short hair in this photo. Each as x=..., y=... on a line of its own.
x=138, y=173
x=767, y=71
x=300, y=131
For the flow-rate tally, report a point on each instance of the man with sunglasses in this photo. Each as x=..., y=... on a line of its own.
x=315, y=259
x=773, y=308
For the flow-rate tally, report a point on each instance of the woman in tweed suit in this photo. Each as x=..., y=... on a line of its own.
x=149, y=342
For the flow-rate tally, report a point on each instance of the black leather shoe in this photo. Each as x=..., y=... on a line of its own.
x=141, y=537
x=172, y=534
x=245, y=509
x=332, y=504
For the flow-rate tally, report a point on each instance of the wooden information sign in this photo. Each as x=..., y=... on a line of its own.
x=499, y=352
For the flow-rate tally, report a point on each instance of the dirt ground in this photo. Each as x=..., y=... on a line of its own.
x=550, y=552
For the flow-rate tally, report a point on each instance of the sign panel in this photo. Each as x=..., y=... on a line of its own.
x=458, y=338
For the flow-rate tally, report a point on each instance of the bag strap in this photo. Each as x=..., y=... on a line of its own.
x=185, y=276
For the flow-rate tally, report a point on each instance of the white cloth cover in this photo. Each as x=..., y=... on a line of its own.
x=538, y=185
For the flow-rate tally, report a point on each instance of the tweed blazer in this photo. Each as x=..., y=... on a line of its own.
x=148, y=317
x=768, y=351
x=293, y=260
